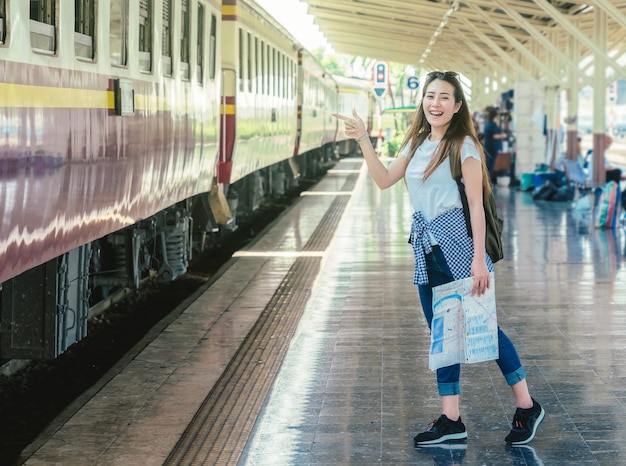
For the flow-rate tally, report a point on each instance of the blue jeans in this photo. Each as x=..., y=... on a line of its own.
x=448, y=377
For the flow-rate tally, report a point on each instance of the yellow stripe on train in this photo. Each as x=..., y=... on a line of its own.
x=229, y=10
x=228, y=109
x=25, y=96
x=21, y=95
x=349, y=90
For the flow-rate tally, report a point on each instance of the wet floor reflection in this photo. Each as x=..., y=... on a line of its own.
x=454, y=455
x=451, y=454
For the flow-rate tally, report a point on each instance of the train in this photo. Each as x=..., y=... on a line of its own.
x=134, y=132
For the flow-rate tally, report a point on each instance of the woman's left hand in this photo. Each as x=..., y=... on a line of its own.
x=482, y=279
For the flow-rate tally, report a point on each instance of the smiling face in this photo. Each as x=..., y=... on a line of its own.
x=439, y=106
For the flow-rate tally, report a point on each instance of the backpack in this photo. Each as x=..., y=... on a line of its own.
x=493, y=223
x=545, y=192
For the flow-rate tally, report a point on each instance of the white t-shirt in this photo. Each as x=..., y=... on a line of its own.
x=439, y=192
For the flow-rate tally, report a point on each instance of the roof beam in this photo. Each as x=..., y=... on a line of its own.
x=517, y=45
x=539, y=37
x=501, y=53
x=612, y=11
x=522, y=30
x=574, y=31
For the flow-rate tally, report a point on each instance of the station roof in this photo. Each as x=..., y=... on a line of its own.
x=536, y=39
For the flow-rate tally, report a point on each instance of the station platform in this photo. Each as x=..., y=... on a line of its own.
x=310, y=348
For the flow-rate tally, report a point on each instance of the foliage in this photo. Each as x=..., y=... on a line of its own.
x=392, y=146
x=330, y=62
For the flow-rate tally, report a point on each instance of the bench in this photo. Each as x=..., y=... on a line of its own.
x=577, y=177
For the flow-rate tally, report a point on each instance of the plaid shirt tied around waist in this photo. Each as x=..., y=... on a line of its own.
x=450, y=232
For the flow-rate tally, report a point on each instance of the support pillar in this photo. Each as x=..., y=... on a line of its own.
x=573, y=145
x=552, y=132
x=599, y=95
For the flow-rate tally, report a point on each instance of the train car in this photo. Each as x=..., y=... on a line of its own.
x=317, y=101
x=264, y=82
x=110, y=113
x=133, y=132
x=357, y=94
x=259, y=65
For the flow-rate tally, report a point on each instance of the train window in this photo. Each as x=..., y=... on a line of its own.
x=263, y=69
x=269, y=70
x=284, y=76
x=274, y=80
x=294, y=78
x=200, y=44
x=42, y=25
x=276, y=73
x=281, y=71
x=277, y=93
x=213, y=48
x=145, y=34
x=241, y=61
x=2, y=21
x=280, y=74
x=289, y=80
x=84, y=23
x=249, y=56
x=184, y=39
x=278, y=68
x=257, y=70
x=288, y=77
x=118, y=32
x=166, y=38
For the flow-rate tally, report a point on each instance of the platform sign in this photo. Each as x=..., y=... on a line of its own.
x=381, y=78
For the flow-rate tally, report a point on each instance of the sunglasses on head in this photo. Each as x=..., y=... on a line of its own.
x=442, y=75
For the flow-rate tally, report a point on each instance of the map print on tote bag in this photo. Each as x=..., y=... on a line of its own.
x=464, y=327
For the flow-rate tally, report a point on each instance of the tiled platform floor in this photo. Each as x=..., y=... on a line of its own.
x=355, y=386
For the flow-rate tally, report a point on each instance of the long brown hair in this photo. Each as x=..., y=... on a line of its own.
x=461, y=126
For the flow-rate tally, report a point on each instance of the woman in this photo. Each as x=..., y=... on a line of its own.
x=493, y=136
x=444, y=252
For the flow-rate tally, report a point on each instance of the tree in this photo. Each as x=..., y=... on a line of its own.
x=329, y=62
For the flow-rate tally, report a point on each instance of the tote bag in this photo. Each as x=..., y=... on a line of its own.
x=606, y=213
x=464, y=327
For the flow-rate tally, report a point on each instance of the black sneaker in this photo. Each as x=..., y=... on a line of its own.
x=442, y=430
x=525, y=423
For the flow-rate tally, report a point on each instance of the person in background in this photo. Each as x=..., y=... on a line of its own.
x=493, y=136
x=442, y=133
x=476, y=119
x=579, y=152
x=612, y=173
